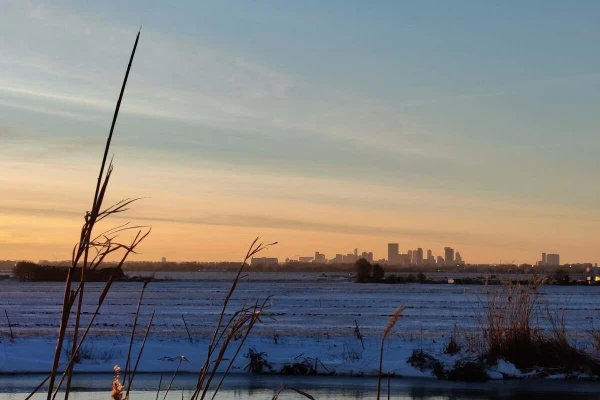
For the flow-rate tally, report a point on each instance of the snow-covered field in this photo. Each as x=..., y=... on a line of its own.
x=309, y=316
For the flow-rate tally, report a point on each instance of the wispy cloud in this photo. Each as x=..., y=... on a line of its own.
x=186, y=81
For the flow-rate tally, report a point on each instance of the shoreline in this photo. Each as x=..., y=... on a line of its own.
x=299, y=356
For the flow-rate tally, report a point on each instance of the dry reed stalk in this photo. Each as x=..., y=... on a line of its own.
x=75, y=334
x=82, y=248
x=159, y=384
x=42, y=383
x=253, y=319
x=388, y=386
x=137, y=314
x=135, y=242
x=247, y=318
x=181, y=359
x=132, y=375
x=558, y=322
x=12, y=337
x=392, y=321
x=186, y=329
x=218, y=334
x=78, y=348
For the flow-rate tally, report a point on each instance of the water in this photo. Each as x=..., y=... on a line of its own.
x=97, y=386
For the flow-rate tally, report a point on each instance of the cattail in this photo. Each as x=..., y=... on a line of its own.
x=394, y=318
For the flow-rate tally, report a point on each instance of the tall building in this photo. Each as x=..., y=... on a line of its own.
x=356, y=252
x=430, y=258
x=458, y=259
x=553, y=260
x=163, y=260
x=403, y=259
x=449, y=255
x=393, y=253
x=440, y=260
x=419, y=256
x=320, y=258
x=350, y=258
x=339, y=258
x=410, y=257
x=544, y=259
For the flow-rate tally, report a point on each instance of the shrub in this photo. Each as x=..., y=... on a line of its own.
x=452, y=347
x=425, y=362
x=258, y=362
x=378, y=272
x=31, y=272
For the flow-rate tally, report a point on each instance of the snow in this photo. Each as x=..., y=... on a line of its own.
x=506, y=368
x=162, y=355
x=308, y=317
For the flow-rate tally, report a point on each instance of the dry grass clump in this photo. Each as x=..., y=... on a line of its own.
x=508, y=315
x=117, y=387
x=508, y=332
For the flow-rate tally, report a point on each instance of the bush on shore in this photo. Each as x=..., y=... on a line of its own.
x=31, y=272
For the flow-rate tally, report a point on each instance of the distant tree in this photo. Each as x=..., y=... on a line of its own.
x=421, y=277
x=378, y=272
x=363, y=270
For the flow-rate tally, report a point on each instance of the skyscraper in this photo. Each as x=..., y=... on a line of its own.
x=544, y=259
x=319, y=257
x=419, y=256
x=430, y=258
x=553, y=260
x=458, y=259
x=393, y=253
x=411, y=259
x=449, y=255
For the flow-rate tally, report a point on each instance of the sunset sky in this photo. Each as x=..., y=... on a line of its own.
x=324, y=125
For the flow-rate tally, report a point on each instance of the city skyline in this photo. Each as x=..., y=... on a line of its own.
x=414, y=257
x=323, y=124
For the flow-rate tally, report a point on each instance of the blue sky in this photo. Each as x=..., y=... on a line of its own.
x=425, y=122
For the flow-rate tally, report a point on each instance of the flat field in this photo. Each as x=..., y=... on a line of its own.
x=309, y=315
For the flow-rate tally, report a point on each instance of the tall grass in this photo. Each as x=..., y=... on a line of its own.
x=509, y=330
x=508, y=314
x=88, y=255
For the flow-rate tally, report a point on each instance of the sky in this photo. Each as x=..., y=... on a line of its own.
x=325, y=126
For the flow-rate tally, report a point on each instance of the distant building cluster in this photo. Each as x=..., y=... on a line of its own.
x=416, y=257
x=412, y=257
x=550, y=260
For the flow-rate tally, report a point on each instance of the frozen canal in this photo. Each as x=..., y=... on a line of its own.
x=96, y=387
